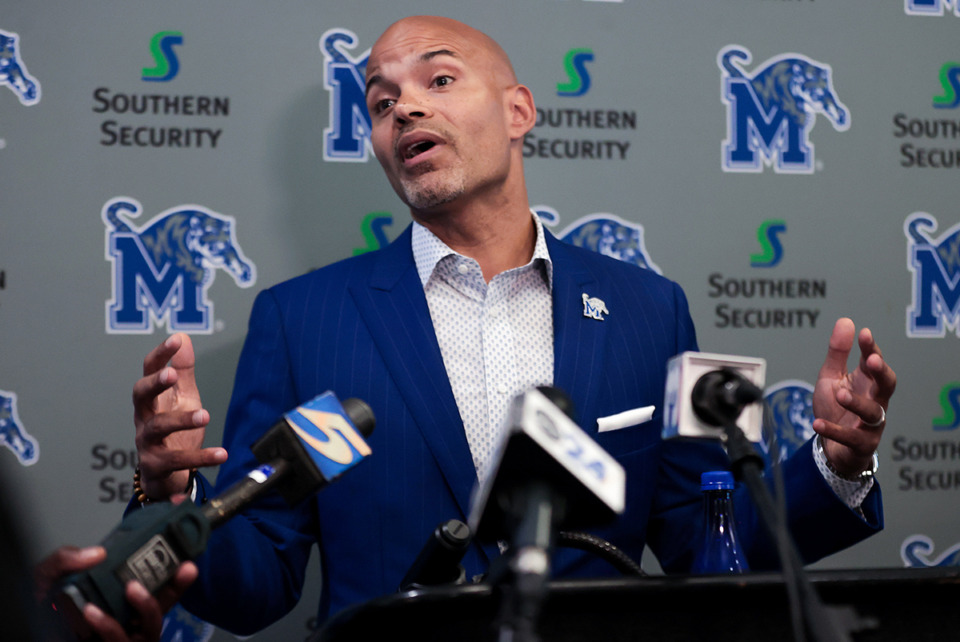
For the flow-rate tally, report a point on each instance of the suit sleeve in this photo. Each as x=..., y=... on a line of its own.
x=253, y=570
x=819, y=521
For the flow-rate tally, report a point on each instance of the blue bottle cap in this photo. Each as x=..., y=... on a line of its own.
x=716, y=480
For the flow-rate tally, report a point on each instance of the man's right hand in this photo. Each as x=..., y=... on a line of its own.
x=149, y=608
x=170, y=420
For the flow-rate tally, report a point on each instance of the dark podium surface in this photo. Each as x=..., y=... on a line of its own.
x=890, y=604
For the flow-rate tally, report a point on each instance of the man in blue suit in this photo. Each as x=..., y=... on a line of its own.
x=471, y=305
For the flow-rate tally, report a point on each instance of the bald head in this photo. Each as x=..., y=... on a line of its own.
x=454, y=36
x=448, y=118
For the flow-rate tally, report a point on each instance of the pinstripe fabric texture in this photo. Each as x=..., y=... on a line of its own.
x=362, y=328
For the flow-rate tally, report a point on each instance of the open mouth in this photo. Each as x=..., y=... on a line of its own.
x=418, y=148
x=416, y=143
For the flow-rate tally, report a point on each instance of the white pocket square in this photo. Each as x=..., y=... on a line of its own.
x=626, y=418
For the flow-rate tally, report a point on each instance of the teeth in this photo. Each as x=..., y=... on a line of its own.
x=418, y=148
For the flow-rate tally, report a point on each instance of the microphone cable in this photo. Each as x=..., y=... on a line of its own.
x=601, y=548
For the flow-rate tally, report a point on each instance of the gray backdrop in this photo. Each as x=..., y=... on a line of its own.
x=849, y=127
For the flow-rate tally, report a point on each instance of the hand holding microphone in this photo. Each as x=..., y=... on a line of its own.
x=308, y=448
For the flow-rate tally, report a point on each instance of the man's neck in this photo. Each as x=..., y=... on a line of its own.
x=498, y=239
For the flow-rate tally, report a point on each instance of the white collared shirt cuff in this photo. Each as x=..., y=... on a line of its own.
x=851, y=493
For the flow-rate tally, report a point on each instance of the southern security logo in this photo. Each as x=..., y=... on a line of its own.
x=928, y=463
x=771, y=112
x=930, y=7
x=166, y=65
x=791, y=407
x=163, y=269
x=607, y=234
x=158, y=118
x=935, y=265
x=950, y=407
x=347, y=138
x=573, y=131
x=13, y=72
x=768, y=300
x=12, y=434
x=950, y=81
x=768, y=235
x=928, y=141
x=578, y=78
x=372, y=229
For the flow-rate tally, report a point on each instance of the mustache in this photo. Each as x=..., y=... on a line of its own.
x=440, y=132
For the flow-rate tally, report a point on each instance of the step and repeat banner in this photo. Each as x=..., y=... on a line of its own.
x=788, y=162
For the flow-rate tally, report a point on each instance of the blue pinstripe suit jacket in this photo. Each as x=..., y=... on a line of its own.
x=361, y=327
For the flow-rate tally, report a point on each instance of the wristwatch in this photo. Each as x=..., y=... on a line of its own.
x=863, y=477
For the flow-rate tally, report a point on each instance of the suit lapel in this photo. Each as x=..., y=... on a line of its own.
x=578, y=339
x=395, y=311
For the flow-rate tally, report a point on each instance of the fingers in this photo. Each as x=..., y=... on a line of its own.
x=150, y=614
x=876, y=367
x=107, y=628
x=147, y=623
x=162, y=425
x=171, y=592
x=163, y=353
x=62, y=562
x=841, y=342
x=870, y=412
x=151, y=386
x=862, y=440
x=159, y=463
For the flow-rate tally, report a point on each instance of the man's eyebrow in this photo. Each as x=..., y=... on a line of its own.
x=373, y=80
x=430, y=55
x=426, y=57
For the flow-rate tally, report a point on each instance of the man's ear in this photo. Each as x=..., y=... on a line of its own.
x=522, y=114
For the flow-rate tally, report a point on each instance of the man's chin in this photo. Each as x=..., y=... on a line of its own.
x=425, y=197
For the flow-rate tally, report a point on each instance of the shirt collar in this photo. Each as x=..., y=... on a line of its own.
x=429, y=250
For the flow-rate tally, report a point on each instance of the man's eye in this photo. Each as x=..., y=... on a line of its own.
x=382, y=105
x=441, y=81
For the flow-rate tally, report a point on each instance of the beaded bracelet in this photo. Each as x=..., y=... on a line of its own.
x=142, y=496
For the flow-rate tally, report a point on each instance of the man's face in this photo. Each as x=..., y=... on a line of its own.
x=437, y=102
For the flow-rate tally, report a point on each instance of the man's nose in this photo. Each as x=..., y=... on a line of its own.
x=408, y=109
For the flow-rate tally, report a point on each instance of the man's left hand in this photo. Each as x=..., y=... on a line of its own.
x=850, y=407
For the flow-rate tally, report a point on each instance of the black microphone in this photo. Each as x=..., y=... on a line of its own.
x=705, y=391
x=548, y=474
x=308, y=448
x=543, y=447
x=438, y=562
x=719, y=396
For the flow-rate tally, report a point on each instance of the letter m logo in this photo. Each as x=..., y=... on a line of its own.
x=935, y=265
x=162, y=270
x=930, y=7
x=770, y=112
x=347, y=138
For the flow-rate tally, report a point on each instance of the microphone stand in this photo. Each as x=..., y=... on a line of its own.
x=522, y=581
x=808, y=613
x=817, y=619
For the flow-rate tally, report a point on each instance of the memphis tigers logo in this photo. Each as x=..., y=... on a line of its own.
x=771, y=112
x=162, y=270
x=347, y=138
x=790, y=404
x=930, y=7
x=12, y=434
x=916, y=552
x=607, y=234
x=935, y=265
x=13, y=73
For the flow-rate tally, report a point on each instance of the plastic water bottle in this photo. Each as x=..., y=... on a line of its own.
x=720, y=550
